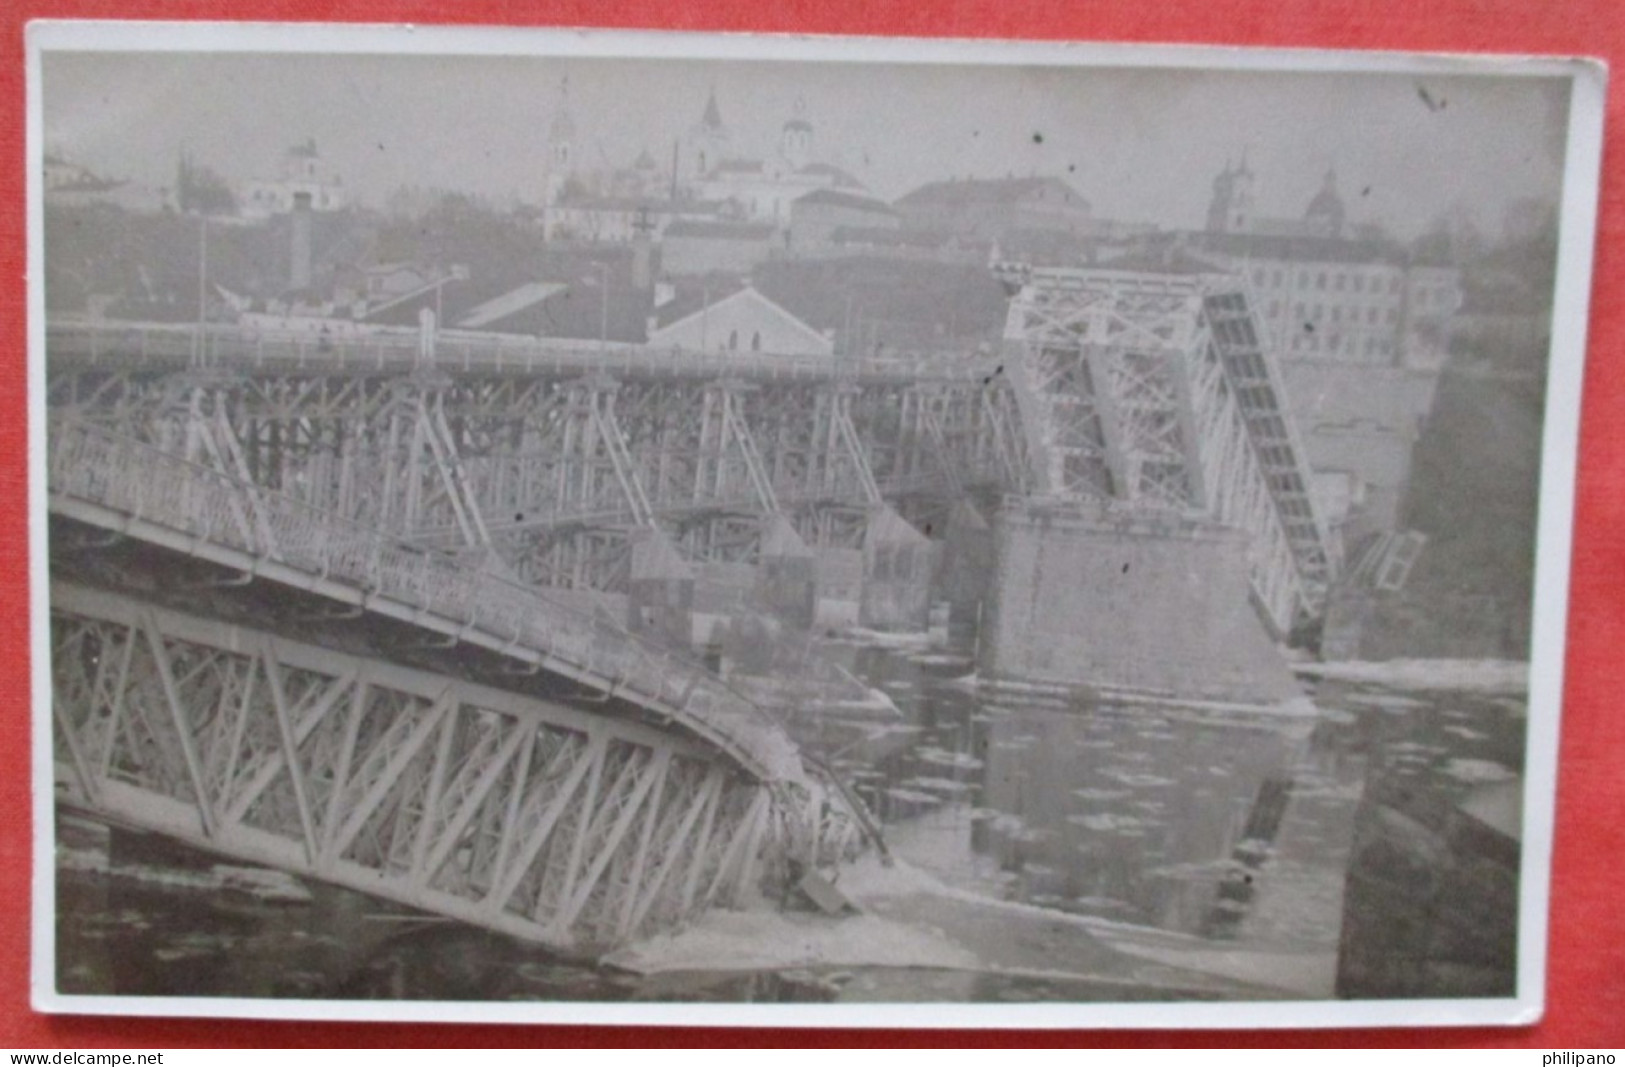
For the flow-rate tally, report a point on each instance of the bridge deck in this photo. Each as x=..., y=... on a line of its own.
x=98, y=477
x=160, y=347
x=514, y=813
x=1257, y=388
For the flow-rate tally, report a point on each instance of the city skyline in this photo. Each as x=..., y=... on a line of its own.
x=1140, y=145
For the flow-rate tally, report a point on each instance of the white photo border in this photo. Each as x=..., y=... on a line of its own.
x=1560, y=437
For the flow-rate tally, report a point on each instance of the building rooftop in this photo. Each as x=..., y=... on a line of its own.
x=583, y=201
x=891, y=237
x=1167, y=259
x=1305, y=248
x=712, y=119
x=839, y=178
x=692, y=294
x=739, y=166
x=720, y=230
x=901, y=303
x=988, y=191
x=559, y=294
x=838, y=198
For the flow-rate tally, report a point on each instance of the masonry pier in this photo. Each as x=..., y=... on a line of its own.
x=1151, y=604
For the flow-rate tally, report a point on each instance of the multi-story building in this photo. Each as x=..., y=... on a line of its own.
x=1361, y=329
x=303, y=172
x=620, y=219
x=1350, y=301
x=817, y=216
x=1324, y=292
x=707, y=182
x=991, y=208
x=70, y=184
x=761, y=190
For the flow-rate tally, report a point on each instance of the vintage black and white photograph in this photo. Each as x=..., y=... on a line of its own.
x=541, y=524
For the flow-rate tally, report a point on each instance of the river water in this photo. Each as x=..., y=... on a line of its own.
x=1234, y=829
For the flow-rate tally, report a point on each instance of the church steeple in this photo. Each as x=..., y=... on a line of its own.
x=560, y=145
x=1326, y=213
x=561, y=134
x=1231, y=208
x=712, y=119
x=706, y=143
x=795, y=143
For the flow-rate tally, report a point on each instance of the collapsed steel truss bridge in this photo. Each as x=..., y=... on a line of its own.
x=489, y=494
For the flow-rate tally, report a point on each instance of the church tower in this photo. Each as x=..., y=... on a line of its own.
x=795, y=143
x=1326, y=213
x=560, y=146
x=1218, y=206
x=1231, y=208
x=1241, y=199
x=706, y=144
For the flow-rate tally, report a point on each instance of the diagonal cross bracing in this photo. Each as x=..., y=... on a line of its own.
x=116, y=484
x=1152, y=391
x=410, y=795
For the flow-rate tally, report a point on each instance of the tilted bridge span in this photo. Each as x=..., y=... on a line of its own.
x=347, y=605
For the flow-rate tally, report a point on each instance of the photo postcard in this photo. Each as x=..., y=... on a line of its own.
x=639, y=527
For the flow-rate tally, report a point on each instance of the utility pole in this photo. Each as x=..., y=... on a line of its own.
x=705, y=311
x=603, y=315
x=202, y=284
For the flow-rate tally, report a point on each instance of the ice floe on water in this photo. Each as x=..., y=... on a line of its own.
x=912, y=796
x=1478, y=771
x=892, y=730
x=1389, y=702
x=1485, y=676
x=1197, y=871
x=940, y=785
x=1135, y=780
x=943, y=758
x=270, y=886
x=757, y=939
x=860, y=635
x=1101, y=795
x=940, y=659
x=753, y=940
x=1106, y=823
x=265, y=884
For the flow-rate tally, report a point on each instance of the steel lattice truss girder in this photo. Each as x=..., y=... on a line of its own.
x=527, y=466
x=516, y=814
x=1152, y=391
x=106, y=481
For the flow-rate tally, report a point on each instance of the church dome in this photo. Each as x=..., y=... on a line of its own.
x=1326, y=203
x=1326, y=210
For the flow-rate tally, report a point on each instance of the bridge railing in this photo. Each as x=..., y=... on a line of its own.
x=395, y=351
x=140, y=482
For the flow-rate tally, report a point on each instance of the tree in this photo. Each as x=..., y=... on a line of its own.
x=199, y=189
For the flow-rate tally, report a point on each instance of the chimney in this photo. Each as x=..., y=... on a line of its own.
x=642, y=275
x=299, y=273
x=642, y=251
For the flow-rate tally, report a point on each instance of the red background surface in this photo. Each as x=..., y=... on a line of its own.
x=1586, y=972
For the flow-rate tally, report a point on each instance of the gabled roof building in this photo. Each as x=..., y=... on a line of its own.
x=988, y=208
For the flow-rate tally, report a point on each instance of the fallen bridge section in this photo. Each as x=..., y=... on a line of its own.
x=485, y=803
x=516, y=814
x=104, y=480
x=156, y=346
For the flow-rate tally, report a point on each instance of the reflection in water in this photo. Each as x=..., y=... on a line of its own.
x=1232, y=828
